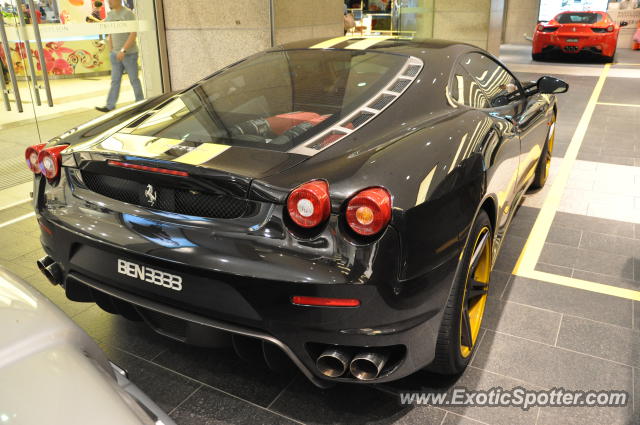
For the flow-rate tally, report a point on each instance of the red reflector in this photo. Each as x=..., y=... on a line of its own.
x=150, y=169
x=325, y=302
x=45, y=228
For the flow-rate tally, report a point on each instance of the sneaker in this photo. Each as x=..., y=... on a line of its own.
x=103, y=109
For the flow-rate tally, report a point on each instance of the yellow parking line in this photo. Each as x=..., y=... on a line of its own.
x=330, y=43
x=629, y=105
x=571, y=282
x=533, y=247
x=525, y=266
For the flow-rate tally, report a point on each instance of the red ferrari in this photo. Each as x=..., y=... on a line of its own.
x=577, y=32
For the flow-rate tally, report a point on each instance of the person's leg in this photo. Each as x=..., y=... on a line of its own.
x=117, y=68
x=131, y=65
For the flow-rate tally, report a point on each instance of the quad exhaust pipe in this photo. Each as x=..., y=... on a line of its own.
x=365, y=366
x=333, y=362
x=368, y=365
x=50, y=269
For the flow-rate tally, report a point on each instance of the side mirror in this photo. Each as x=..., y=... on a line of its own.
x=624, y=23
x=551, y=85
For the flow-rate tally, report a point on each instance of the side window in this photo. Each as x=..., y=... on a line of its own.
x=499, y=85
x=465, y=90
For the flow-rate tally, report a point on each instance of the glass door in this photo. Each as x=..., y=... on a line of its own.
x=20, y=94
x=61, y=65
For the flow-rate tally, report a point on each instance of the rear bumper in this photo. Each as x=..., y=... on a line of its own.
x=596, y=44
x=405, y=315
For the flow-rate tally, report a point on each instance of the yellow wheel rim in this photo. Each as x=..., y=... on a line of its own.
x=476, y=289
x=552, y=136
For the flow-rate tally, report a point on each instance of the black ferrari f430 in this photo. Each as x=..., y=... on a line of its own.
x=341, y=202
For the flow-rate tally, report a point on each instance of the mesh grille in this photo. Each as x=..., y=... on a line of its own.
x=382, y=101
x=181, y=201
x=360, y=119
x=399, y=85
x=412, y=70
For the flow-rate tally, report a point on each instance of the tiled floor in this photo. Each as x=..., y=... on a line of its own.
x=536, y=334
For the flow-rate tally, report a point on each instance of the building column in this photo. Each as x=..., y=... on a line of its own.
x=204, y=36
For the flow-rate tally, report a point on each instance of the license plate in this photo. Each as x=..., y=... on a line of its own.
x=149, y=275
x=572, y=40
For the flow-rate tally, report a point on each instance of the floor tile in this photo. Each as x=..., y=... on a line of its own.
x=610, y=243
x=576, y=302
x=599, y=339
x=342, y=404
x=223, y=369
x=607, y=279
x=498, y=283
x=166, y=388
x=509, y=253
x=474, y=379
x=564, y=236
x=605, y=263
x=452, y=419
x=521, y=320
x=550, y=268
x=209, y=406
x=593, y=224
x=558, y=255
x=587, y=416
x=548, y=366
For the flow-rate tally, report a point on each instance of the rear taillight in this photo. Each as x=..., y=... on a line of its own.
x=49, y=161
x=31, y=155
x=542, y=28
x=369, y=212
x=309, y=204
x=610, y=28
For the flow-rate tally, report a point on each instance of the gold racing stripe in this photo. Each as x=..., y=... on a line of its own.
x=330, y=43
x=202, y=154
x=367, y=42
x=160, y=146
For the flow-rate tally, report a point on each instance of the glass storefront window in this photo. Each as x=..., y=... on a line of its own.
x=57, y=68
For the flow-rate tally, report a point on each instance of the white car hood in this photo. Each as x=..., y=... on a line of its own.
x=51, y=372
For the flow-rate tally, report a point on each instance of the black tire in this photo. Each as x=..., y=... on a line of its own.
x=538, y=56
x=449, y=358
x=542, y=168
x=609, y=59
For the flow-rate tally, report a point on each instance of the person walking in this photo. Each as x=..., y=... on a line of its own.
x=123, y=56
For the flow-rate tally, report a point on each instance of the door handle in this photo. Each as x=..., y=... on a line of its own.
x=43, y=63
x=27, y=46
x=7, y=54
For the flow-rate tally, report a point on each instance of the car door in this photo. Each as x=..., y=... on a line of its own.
x=505, y=104
x=533, y=125
x=470, y=74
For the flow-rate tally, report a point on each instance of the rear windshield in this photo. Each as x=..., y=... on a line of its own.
x=274, y=100
x=578, y=18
